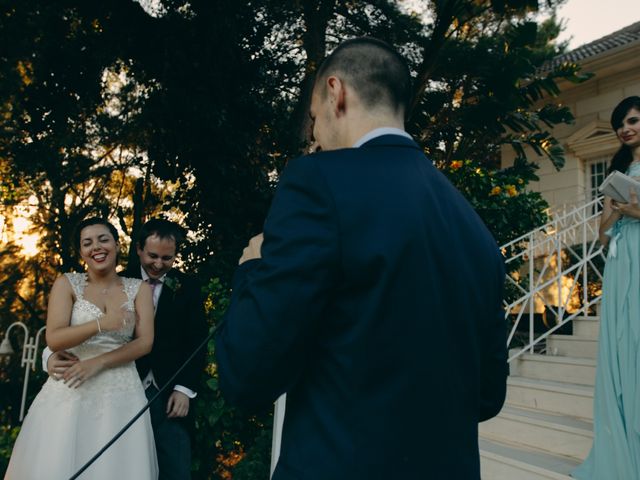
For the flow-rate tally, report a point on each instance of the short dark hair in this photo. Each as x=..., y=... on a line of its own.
x=164, y=229
x=87, y=222
x=374, y=69
x=623, y=157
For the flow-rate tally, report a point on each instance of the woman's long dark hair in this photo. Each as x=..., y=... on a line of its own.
x=623, y=157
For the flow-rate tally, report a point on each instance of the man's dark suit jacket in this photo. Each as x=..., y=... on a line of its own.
x=377, y=307
x=180, y=326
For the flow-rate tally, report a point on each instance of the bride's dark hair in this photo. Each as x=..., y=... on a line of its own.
x=87, y=222
x=623, y=157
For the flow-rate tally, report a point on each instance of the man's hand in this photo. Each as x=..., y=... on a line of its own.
x=59, y=362
x=252, y=250
x=178, y=405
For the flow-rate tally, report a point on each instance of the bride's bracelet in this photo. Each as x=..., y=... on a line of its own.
x=98, y=322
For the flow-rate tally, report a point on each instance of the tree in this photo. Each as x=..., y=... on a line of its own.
x=239, y=75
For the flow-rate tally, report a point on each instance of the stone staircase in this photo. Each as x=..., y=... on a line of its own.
x=545, y=428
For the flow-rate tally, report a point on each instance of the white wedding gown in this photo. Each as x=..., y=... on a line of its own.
x=66, y=427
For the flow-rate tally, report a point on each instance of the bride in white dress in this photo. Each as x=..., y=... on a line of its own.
x=106, y=321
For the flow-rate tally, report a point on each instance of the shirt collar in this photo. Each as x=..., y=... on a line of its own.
x=378, y=132
x=145, y=276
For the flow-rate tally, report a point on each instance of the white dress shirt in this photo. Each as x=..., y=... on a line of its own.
x=149, y=379
x=378, y=132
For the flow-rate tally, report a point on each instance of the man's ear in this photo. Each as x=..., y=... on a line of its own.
x=337, y=95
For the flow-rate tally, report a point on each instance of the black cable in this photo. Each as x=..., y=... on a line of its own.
x=145, y=408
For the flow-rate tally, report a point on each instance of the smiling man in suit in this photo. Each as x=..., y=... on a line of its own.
x=180, y=326
x=375, y=300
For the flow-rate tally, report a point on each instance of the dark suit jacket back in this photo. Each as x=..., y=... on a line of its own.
x=377, y=308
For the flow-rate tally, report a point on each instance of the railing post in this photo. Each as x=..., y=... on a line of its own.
x=559, y=270
x=585, y=271
x=25, y=385
x=532, y=303
x=29, y=354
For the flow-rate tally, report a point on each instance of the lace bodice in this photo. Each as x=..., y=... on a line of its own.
x=84, y=311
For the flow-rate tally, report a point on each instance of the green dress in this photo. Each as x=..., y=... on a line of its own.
x=615, y=454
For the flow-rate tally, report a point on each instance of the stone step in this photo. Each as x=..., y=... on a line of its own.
x=553, y=397
x=572, y=346
x=581, y=371
x=508, y=462
x=554, y=434
x=588, y=327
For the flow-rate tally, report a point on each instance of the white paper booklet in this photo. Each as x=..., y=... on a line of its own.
x=617, y=186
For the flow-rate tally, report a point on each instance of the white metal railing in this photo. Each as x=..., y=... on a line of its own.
x=552, y=261
x=574, y=202
x=29, y=355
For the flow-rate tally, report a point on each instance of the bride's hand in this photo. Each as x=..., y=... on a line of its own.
x=79, y=373
x=115, y=318
x=631, y=209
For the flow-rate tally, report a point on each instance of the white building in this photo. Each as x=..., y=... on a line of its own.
x=590, y=142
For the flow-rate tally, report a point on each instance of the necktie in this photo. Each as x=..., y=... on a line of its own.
x=153, y=283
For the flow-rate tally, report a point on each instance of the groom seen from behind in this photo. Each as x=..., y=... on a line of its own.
x=376, y=303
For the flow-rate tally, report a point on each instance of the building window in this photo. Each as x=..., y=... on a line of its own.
x=597, y=174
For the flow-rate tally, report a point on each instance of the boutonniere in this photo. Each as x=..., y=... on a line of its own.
x=173, y=284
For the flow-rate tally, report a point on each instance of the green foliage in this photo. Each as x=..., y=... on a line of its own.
x=229, y=443
x=203, y=101
x=489, y=87
x=8, y=437
x=500, y=198
x=255, y=464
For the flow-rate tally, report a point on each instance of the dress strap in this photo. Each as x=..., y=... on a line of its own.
x=131, y=287
x=78, y=282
